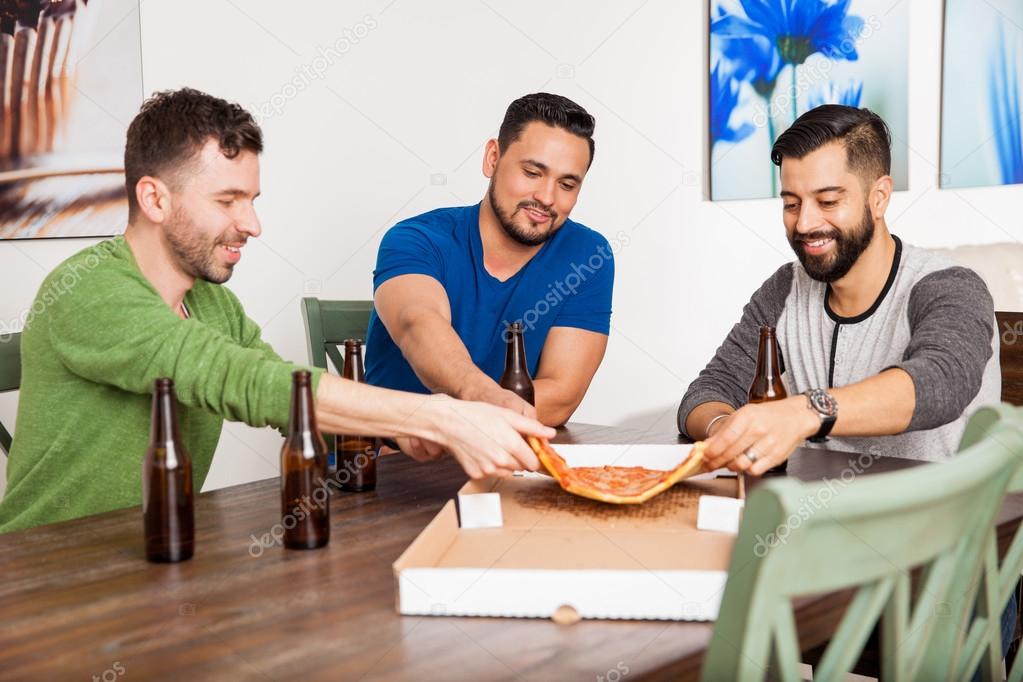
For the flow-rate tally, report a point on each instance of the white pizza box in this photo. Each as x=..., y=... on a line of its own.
x=553, y=550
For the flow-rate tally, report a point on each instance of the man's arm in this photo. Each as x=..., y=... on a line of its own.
x=705, y=418
x=485, y=439
x=132, y=343
x=568, y=362
x=881, y=405
x=417, y=314
x=951, y=319
x=723, y=384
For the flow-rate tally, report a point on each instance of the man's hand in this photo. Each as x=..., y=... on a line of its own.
x=769, y=431
x=419, y=449
x=485, y=439
x=489, y=392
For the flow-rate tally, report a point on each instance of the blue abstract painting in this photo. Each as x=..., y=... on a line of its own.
x=982, y=94
x=773, y=60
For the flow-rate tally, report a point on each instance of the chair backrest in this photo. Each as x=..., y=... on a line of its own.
x=329, y=323
x=981, y=642
x=801, y=539
x=1010, y=329
x=10, y=376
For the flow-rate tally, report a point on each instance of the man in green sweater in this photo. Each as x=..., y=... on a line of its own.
x=118, y=315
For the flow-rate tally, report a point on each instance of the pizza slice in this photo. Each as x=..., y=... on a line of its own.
x=617, y=485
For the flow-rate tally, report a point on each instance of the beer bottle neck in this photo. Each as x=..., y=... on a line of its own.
x=303, y=417
x=515, y=355
x=353, y=368
x=165, y=417
x=767, y=356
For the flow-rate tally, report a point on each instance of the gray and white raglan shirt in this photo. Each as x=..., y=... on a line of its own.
x=933, y=319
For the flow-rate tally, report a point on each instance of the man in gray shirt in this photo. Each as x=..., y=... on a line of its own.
x=886, y=347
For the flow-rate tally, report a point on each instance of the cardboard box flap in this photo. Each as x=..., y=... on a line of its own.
x=430, y=545
x=539, y=502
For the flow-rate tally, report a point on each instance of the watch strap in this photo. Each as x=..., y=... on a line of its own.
x=827, y=419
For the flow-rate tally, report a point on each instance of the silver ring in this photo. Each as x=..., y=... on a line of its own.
x=751, y=456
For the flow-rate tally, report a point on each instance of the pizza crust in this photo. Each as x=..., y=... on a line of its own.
x=616, y=485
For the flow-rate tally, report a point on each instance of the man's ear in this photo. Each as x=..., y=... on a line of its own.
x=491, y=155
x=880, y=195
x=153, y=197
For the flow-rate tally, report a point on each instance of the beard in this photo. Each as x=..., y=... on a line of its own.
x=848, y=247
x=516, y=232
x=196, y=253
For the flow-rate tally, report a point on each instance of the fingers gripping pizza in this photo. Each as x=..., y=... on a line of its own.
x=617, y=485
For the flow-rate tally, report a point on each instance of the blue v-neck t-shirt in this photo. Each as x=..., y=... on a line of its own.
x=568, y=283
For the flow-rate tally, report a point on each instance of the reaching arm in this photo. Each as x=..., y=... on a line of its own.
x=483, y=438
x=703, y=419
x=568, y=362
x=881, y=405
x=951, y=321
x=130, y=344
x=416, y=312
x=118, y=332
x=951, y=318
x=723, y=384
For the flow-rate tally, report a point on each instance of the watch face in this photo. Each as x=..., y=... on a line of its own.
x=823, y=402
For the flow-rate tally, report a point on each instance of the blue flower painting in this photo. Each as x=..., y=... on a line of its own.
x=982, y=95
x=832, y=93
x=724, y=95
x=772, y=60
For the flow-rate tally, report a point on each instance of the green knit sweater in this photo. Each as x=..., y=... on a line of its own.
x=97, y=337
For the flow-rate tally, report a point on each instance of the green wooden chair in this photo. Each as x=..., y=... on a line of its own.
x=801, y=539
x=981, y=644
x=10, y=376
x=329, y=323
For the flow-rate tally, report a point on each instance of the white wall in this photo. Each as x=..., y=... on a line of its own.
x=395, y=126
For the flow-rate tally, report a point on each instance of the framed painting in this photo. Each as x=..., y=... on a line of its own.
x=982, y=93
x=70, y=82
x=773, y=60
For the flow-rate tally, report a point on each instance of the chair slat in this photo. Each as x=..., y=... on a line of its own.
x=893, y=630
x=329, y=323
x=871, y=535
x=786, y=645
x=10, y=376
x=857, y=624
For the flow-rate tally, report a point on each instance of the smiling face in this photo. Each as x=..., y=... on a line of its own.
x=535, y=182
x=828, y=219
x=212, y=212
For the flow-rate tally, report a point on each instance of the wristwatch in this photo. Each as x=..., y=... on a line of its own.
x=826, y=407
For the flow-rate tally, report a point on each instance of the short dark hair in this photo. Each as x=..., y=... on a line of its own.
x=173, y=126
x=554, y=110
x=867, y=139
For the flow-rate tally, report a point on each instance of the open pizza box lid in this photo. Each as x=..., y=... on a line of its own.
x=554, y=549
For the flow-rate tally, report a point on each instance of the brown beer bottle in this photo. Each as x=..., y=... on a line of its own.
x=356, y=455
x=305, y=508
x=516, y=374
x=767, y=385
x=167, y=508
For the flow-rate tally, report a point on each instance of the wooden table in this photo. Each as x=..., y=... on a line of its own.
x=77, y=599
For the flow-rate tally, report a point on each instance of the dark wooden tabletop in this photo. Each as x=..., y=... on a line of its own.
x=78, y=599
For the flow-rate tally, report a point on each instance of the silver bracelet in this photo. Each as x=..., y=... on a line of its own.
x=712, y=421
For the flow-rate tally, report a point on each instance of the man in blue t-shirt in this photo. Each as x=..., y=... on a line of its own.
x=448, y=282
